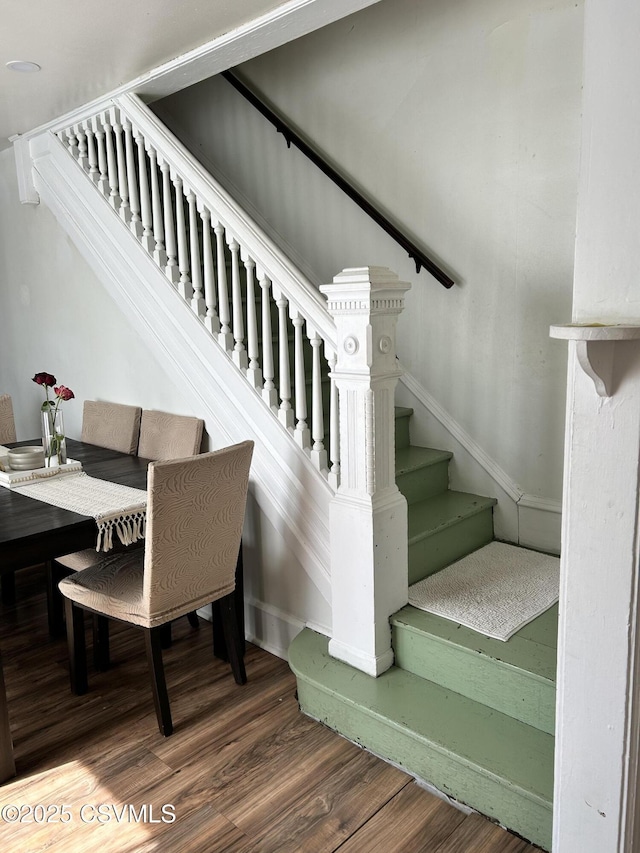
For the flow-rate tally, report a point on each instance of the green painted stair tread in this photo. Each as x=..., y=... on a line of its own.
x=532, y=648
x=498, y=765
x=437, y=513
x=413, y=458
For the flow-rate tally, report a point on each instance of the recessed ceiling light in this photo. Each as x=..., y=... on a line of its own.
x=22, y=65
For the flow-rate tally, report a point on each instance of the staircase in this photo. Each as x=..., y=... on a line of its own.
x=233, y=321
x=472, y=716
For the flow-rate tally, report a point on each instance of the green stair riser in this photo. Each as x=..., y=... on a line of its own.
x=390, y=716
x=428, y=554
x=523, y=695
x=424, y=483
x=402, y=427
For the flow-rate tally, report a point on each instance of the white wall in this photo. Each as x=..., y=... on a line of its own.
x=56, y=316
x=462, y=120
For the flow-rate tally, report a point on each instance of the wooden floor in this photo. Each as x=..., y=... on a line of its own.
x=243, y=771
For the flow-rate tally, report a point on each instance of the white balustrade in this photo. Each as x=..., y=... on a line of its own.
x=178, y=224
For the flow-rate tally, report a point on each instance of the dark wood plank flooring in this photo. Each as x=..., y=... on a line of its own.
x=243, y=771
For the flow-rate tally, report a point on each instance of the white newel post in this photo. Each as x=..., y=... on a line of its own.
x=368, y=515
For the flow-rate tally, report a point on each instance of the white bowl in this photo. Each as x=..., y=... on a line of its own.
x=25, y=458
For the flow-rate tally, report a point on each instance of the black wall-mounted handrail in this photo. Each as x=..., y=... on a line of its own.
x=291, y=137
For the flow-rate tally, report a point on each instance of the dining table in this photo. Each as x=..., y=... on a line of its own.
x=33, y=532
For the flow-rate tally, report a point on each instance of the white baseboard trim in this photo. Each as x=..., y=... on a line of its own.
x=274, y=630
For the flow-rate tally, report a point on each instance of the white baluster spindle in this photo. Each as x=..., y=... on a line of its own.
x=159, y=253
x=112, y=169
x=92, y=153
x=197, y=300
x=123, y=186
x=211, y=320
x=254, y=374
x=81, y=136
x=135, y=223
x=225, y=338
x=301, y=433
x=285, y=412
x=171, y=270
x=239, y=351
x=184, y=284
x=145, y=203
x=318, y=452
x=103, y=180
x=269, y=393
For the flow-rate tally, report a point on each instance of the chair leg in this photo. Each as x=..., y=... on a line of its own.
x=101, y=656
x=165, y=635
x=152, y=638
x=77, y=648
x=193, y=619
x=8, y=587
x=55, y=599
x=219, y=644
x=231, y=629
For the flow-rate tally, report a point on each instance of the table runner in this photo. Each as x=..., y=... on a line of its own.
x=114, y=507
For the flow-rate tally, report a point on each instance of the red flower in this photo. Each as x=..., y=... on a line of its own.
x=64, y=393
x=45, y=379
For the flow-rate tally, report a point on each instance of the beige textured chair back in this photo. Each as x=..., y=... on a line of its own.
x=7, y=424
x=111, y=425
x=195, y=513
x=166, y=436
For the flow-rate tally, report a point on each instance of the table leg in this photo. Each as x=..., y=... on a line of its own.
x=7, y=763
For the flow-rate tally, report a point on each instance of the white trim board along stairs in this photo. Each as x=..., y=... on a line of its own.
x=471, y=715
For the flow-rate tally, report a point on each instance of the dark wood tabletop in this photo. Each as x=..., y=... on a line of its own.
x=32, y=531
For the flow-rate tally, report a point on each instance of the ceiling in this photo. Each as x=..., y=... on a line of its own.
x=88, y=48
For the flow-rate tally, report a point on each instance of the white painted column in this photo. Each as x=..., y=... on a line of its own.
x=368, y=516
x=598, y=708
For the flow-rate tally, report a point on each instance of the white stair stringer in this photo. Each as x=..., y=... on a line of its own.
x=289, y=490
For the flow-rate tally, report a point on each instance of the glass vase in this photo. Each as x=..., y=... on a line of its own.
x=53, y=438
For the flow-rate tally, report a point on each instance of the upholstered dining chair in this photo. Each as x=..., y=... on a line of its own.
x=111, y=425
x=7, y=424
x=195, y=514
x=156, y=436
x=168, y=436
x=116, y=427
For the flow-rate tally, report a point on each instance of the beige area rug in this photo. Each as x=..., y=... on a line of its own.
x=495, y=591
